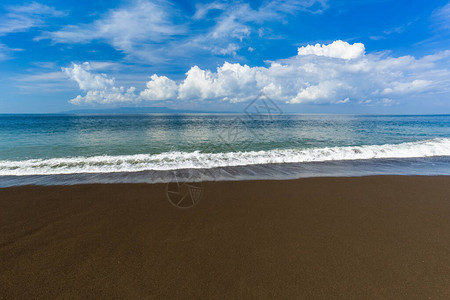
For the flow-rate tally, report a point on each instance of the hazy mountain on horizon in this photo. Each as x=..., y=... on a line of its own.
x=136, y=110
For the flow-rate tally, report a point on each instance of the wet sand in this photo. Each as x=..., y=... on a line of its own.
x=322, y=238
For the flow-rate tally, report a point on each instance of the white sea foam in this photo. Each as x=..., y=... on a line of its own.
x=196, y=160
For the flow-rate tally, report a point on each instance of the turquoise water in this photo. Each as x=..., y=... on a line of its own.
x=63, y=144
x=49, y=136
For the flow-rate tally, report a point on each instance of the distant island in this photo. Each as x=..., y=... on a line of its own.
x=133, y=110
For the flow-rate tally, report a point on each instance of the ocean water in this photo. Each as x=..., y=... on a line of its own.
x=67, y=149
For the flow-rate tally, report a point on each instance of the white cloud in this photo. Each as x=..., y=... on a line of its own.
x=20, y=18
x=107, y=96
x=442, y=17
x=203, y=9
x=155, y=31
x=231, y=82
x=343, y=101
x=440, y=29
x=160, y=88
x=99, y=87
x=332, y=74
x=7, y=52
x=230, y=49
x=48, y=77
x=237, y=21
x=407, y=87
x=337, y=49
x=42, y=79
x=323, y=90
x=3, y=55
x=197, y=85
x=136, y=29
x=86, y=80
x=268, y=9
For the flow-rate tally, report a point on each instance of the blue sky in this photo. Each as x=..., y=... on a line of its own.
x=312, y=56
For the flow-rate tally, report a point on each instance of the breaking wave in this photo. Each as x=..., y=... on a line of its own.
x=197, y=159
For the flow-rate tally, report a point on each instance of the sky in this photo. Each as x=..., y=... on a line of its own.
x=307, y=56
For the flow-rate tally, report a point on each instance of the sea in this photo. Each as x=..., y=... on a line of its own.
x=151, y=148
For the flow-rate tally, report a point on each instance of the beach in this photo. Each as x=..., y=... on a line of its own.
x=158, y=149
x=345, y=237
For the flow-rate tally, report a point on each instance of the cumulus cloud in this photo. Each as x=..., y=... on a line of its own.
x=99, y=88
x=160, y=88
x=337, y=49
x=336, y=73
x=86, y=80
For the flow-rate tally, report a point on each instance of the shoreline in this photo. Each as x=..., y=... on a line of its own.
x=323, y=237
x=422, y=166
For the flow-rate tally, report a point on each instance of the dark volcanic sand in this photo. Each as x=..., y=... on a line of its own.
x=366, y=237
